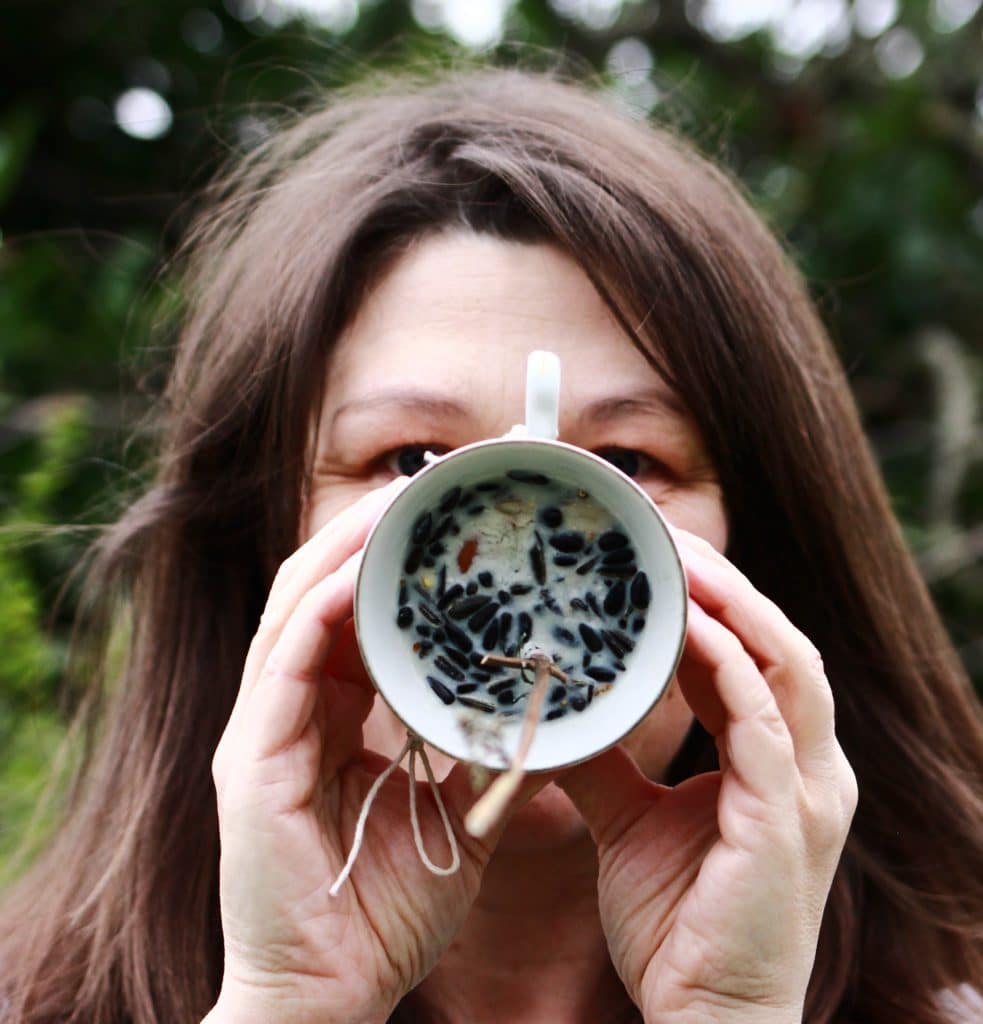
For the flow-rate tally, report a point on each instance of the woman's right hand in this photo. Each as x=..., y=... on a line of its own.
x=291, y=775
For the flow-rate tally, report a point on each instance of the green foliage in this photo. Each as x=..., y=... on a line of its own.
x=862, y=145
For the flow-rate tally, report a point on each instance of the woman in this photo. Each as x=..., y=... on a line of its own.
x=366, y=287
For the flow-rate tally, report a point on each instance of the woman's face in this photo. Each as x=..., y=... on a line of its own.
x=436, y=358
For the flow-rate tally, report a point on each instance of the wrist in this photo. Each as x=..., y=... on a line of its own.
x=246, y=1004
x=727, y=1011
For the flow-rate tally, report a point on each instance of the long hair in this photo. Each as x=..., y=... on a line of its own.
x=118, y=920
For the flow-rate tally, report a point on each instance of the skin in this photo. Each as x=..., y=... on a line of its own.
x=604, y=889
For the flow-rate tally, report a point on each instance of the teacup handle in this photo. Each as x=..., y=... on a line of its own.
x=543, y=395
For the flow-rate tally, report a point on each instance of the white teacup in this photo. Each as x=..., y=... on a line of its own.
x=400, y=673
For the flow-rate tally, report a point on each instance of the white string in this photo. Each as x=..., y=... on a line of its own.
x=455, y=863
x=363, y=815
x=413, y=744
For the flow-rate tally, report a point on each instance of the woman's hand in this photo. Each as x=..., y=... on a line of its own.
x=712, y=892
x=291, y=775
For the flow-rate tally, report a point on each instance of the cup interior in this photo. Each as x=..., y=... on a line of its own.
x=400, y=676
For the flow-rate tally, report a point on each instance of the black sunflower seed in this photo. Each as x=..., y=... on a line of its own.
x=638, y=625
x=557, y=694
x=478, y=705
x=537, y=559
x=480, y=677
x=568, y=541
x=442, y=691
x=591, y=640
x=451, y=670
x=504, y=597
x=467, y=606
x=551, y=516
x=441, y=581
x=565, y=560
x=555, y=713
x=625, y=642
x=613, y=640
x=504, y=624
x=486, y=579
x=615, y=599
x=524, y=476
x=585, y=661
x=518, y=589
x=550, y=601
x=620, y=556
x=413, y=560
x=442, y=528
x=465, y=688
x=490, y=638
x=402, y=592
x=640, y=591
x=502, y=684
x=612, y=540
x=579, y=604
x=425, y=648
x=449, y=500
x=423, y=631
x=476, y=658
x=578, y=703
x=471, y=589
x=600, y=674
x=404, y=617
x=592, y=602
x=583, y=570
x=458, y=657
x=618, y=572
x=452, y=593
x=564, y=635
x=505, y=697
x=429, y=614
x=482, y=617
x=458, y=637
x=524, y=625
x=422, y=528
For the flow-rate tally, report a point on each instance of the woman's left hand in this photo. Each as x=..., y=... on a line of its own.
x=712, y=892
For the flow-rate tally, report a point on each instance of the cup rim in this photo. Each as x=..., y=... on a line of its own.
x=522, y=440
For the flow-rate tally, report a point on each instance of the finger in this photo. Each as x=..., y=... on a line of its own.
x=282, y=700
x=610, y=792
x=313, y=561
x=345, y=659
x=788, y=660
x=695, y=678
x=757, y=740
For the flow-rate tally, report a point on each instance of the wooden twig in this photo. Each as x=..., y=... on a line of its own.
x=489, y=808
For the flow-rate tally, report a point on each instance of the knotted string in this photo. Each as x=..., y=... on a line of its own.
x=414, y=745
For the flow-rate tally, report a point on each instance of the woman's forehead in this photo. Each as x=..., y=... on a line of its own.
x=457, y=316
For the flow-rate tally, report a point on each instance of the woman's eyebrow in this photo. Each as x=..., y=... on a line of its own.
x=648, y=402
x=431, y=403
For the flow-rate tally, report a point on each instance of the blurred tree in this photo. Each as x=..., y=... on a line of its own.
x=857, y=129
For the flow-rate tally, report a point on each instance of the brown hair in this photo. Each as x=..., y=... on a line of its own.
x=119, y=919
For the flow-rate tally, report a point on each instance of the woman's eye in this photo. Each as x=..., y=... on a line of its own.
x=408, y=459
x=628, y=460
